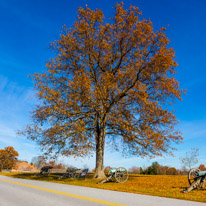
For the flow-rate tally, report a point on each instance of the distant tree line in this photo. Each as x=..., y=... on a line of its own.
x=157, y=169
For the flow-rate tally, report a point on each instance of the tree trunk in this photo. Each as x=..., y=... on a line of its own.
x=100, y=142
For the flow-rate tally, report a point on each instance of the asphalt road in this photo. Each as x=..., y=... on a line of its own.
x=21, y=192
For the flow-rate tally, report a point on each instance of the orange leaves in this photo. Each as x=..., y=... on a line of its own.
x=8, y=157
x=108, y=80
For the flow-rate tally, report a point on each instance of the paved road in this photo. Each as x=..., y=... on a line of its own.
x=21, y=192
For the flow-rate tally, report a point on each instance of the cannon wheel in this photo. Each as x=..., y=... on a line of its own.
x=121, y=175
x=192, y=175
x=109, y=173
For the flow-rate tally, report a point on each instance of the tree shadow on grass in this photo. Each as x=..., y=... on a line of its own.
x=139, y=176
x=54, y=177
x=34, y=176
x=184, y=188
x=179, y=188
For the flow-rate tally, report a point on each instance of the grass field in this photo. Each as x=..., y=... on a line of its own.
x=157, y=185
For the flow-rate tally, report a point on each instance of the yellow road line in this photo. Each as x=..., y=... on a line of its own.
x=66, y=194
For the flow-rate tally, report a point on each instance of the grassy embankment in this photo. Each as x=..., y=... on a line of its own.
x=157, y=185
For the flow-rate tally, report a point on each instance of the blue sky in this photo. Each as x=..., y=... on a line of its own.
x=27, y=28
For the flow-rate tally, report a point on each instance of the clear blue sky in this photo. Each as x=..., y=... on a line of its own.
x=27, y=28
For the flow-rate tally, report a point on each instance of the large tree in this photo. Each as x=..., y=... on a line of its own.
x=8, y=157
x=110, y=80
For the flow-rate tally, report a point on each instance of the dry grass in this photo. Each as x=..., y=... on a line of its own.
x=158, y=185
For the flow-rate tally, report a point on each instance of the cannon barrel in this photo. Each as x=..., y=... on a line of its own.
x=201, y=173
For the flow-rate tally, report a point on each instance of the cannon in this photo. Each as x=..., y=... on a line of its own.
x=196, y=179
x=194, y=174
x=119, y=175
x=45, y=170
x=73, y=172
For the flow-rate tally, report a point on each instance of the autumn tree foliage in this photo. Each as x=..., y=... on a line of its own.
x=8, y=157
x=56, y=165
x=202, y=167
x=110, y=80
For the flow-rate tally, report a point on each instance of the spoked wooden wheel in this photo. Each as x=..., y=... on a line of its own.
x=121, y=175
x=110, y=171
x=192, y=176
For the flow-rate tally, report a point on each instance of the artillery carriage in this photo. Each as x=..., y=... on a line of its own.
x=45, y=170
x=194, y=174
x=119, y=175
x=73, y=172
x=196, y=179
